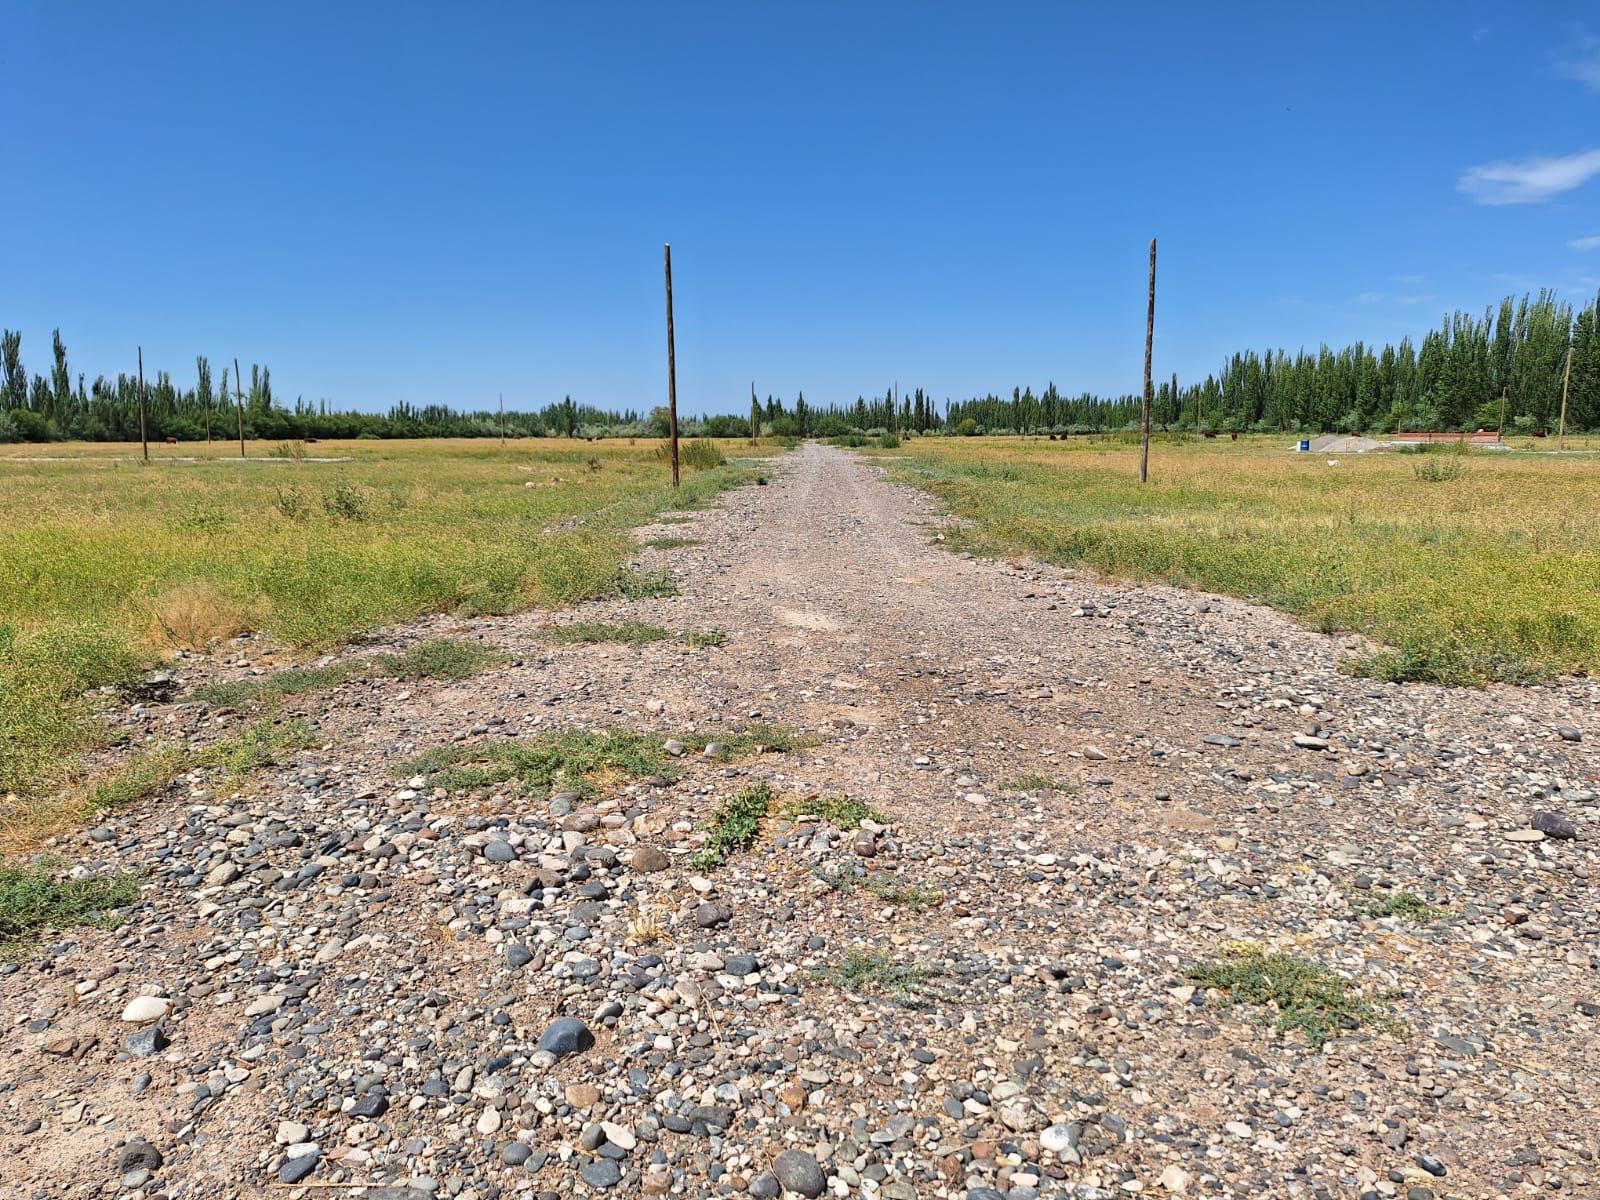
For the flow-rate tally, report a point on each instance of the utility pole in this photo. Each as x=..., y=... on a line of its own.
x=1500, y=433
x=144, y=439
x=1566, y=376
x=894, y=409
x=755, y=414
x=672, y=373
x=238, y=396
x=502, y=420
x=1149, y=344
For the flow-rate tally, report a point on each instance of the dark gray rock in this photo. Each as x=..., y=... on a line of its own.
x=139, y=1153
x=800, y=1172
x=297, y=1169
x=1554, y=825
x=602, y=1173
x=566, y=1035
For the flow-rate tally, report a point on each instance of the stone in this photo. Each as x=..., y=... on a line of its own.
x=648, y=860
x=709, y=915
x=518, y=955
x=515, y=1154
x=138, y=1154
x=146, y=1008
x=1058, y=1138
x=1307, y=741
x=373, y=1104
x=1569, y=733
x=1524, y=835
x=1175, y=1179
x=296, y=1169
x=564, y=1036
x=800, y=1172
x=1555, y=825
x=601, y=1173
x=497, y=851
x=146, y=1042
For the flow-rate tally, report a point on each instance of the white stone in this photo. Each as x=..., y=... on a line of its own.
x=142, y=1010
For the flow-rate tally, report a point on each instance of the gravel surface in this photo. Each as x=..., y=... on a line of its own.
x=342, y=973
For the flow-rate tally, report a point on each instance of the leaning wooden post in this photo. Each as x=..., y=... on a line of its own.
x=1566, y=375
x=238, y=397
x=1500, y=433
x=1149, y=344
x=144, y=438
x=755, y=415
x=502, y=420
x=672, y=375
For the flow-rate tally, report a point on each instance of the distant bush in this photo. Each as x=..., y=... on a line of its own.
x=889, y=441
x=967, y=428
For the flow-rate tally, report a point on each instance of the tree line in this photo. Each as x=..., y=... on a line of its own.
x=1505, y=367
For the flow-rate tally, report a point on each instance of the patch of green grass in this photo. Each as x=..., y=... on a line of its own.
x=1403, y=904
x=586, y=633
x=733, y=826
x=437, y=658
x=34, y=898
x=915, y=896
x=671, y=543
x=108, y=565
x=697, y=454
x=905, y=983
x=1305, y=996
x=645, y=585
x=1032, y=781
x=839, y=810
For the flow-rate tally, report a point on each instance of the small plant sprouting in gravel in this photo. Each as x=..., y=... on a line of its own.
x=874, y=971
x=915, y=896
x=436, y=658
x=699, y=641
x=733, y=826
x=1307, y=996
x=645, y=585
x=1032, y=781
x=585, y=633
x=671, y=543
x=1404, y=904
x=840, y=811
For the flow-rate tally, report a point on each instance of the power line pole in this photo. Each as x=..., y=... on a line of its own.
x=755, y=418
x=238, y=396
x=144, y=439
x=1566, y=376
x=502, y=420
x=672, y=374
x=1149, y=345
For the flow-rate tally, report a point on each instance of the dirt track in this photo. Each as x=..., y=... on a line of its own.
x=334, y=936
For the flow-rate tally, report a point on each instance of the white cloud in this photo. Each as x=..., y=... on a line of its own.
x=1412, y=299
x=1580, y=58
x=1529, y=180
x=1585, y=243
x=1369, y=298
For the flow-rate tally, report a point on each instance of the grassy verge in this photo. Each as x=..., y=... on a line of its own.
x=35, y=898
x=437, y=658
x=24, y=822
x=1490, y=572
x=111, y=563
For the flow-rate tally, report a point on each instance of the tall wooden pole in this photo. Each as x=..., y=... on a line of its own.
x=672, y=375
x=1500, y=433
x=894, y=409
x=144, y=439
x=1566, y=375
x=238, y=397
x=502, y=420
x=755, y=415
x=1149, y=345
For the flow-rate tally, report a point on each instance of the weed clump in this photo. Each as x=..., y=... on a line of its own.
x=915, y=896
x=588, y=633
x=437, y=658
x=1404, y=904
x=733, y=826
x=1306, y=996
x=840, y=811
x=874, y=971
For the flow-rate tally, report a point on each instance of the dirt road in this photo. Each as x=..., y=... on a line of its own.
x=1089, y=790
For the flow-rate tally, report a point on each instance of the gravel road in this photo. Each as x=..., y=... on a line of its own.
x=344, y=973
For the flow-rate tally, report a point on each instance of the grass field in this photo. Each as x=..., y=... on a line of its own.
x=1469, y=567
x=110, y=562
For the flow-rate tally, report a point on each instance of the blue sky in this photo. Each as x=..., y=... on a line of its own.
x=443, y=202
